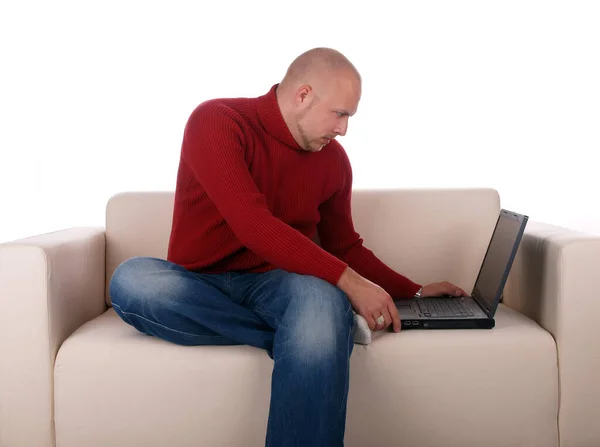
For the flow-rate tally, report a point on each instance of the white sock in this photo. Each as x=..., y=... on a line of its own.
x=360, y=330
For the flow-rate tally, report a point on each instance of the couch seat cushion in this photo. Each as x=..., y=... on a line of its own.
x=116, y=387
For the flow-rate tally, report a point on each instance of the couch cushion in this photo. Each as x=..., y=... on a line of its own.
x=428, y=235
x=117, y=387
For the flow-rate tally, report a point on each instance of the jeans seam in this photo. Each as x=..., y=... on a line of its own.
x=346, y=377
x=163, y=326
x=269, y=315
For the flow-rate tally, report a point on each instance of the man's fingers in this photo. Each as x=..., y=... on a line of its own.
x=393, y=310
x=450, y=288
x=454, y=290
x=382, y=319
x=370, y=321
x=461, y=292
x=388, y=318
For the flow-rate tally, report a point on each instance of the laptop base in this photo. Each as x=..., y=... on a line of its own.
x=471, y=323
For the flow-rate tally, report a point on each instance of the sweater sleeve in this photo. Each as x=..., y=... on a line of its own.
x=338, y=236
x=214, y=149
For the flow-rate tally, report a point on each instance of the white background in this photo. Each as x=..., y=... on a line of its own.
x=504, y=94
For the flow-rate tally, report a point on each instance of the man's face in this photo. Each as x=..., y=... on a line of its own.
x=323, y=113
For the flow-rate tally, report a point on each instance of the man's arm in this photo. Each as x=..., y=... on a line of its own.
x=213, y=148
x=368, y=282
x=338, y=236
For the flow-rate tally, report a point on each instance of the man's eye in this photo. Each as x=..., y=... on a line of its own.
x=339, y=114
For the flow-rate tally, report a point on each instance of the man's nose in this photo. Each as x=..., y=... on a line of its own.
x=341, y=128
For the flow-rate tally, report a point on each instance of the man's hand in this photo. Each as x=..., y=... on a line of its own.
x=441, y=289
x=370, y=301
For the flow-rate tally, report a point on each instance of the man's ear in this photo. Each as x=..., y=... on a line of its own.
x=303, y=94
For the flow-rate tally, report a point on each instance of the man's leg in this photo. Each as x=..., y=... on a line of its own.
x=165, y=300
x=313, y=343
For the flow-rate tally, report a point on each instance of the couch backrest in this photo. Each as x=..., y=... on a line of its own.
x=426, y=234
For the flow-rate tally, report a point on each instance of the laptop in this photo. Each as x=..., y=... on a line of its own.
x=476, y=311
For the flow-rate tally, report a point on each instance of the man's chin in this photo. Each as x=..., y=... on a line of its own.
x=318, y=146
x=313, y=148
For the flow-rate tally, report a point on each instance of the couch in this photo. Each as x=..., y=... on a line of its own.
x=72, y=374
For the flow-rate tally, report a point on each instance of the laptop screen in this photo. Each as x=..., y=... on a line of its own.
x=498, y=259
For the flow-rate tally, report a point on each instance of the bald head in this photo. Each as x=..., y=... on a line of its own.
x=317, y=65
x=319, y=92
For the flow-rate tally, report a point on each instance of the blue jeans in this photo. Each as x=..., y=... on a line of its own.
x=303, y=323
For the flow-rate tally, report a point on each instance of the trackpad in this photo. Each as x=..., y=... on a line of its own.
x=406, y=311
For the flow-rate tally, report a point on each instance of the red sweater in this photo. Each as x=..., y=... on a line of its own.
x=249, y=199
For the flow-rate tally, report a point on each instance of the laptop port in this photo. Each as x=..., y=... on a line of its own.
x=415, y=323
x=407, y=323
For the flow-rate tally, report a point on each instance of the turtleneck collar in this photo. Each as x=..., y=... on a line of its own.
x=271, y=118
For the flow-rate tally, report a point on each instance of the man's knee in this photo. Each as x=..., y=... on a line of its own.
x=142, y=280
x=321, y=321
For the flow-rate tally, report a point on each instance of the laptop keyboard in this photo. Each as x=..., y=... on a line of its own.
x=443, y=307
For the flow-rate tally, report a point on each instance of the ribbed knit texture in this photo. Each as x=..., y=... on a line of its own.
x=249, y=199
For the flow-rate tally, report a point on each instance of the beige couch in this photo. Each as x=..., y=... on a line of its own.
x=73, y=374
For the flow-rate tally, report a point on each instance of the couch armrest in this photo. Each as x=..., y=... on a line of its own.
x=49, y=286
x=554, y=281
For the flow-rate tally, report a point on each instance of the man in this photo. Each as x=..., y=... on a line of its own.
x=259, y=179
